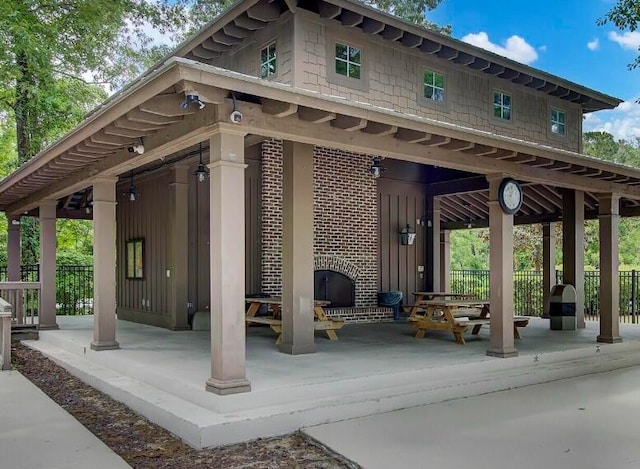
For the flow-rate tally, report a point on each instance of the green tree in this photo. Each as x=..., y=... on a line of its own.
x=625, y=14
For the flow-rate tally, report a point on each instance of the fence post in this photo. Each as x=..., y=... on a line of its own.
x=633, y=296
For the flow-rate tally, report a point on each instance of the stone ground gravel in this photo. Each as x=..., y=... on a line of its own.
x=143, y=444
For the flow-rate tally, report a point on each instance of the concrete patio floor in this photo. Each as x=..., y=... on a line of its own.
x=373, y=368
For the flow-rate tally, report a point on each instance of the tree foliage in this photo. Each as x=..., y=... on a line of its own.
x=412, y=10
x=625, y=14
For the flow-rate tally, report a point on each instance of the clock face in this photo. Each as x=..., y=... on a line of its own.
x=510, y=196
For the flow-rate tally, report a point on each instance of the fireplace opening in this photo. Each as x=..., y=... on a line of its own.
x=335, y=287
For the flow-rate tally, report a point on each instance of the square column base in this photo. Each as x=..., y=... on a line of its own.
x=106, y=345
x=609, y=340
x=502, y=353
x=223, y=388
x=48, y=327
x=297, y=349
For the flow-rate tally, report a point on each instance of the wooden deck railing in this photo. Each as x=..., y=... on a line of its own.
x=24, y=298
x=5, y=334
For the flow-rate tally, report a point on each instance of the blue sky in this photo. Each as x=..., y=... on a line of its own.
x=560, y=37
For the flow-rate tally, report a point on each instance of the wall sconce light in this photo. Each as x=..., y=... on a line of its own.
x=407, y=235
x=201, y=173
x=89, y=208
x=132, y=193
x=15, y=222
x=376, y=167
x=469, y=224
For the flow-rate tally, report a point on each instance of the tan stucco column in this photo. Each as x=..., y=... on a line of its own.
x=13, y=248
x=47, y=313
x=178, y=272
x=435, y=244
x=104, y=264
x=445, y=260
x=609, y=216
x=297, y=249
x=227, y=250
x=501, y=275
x=573, y=247
x=13, y=262
x=548, y=264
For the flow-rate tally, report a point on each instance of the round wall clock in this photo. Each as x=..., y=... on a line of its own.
x=510, y=196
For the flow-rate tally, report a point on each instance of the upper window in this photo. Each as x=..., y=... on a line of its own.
x=348, y=61
x=268, y=61
x=558, y=122
x=502, y=106
x=433, y=86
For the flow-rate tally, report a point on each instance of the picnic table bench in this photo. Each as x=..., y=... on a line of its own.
x=274, y=321
x=457, y=316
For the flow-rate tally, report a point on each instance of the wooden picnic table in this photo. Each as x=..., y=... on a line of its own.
x=423, y=296
x=274, y=320
x=457, y=316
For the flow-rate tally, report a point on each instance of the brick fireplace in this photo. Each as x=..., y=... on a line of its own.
x=345, y=225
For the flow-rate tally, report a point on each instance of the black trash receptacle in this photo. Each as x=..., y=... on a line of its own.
x=391, y=299
x=562, y=308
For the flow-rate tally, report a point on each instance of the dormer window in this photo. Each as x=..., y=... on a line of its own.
x=433, y=86
x=501, y=106
x=558, y=122
x=268, y=61
x=348, y=61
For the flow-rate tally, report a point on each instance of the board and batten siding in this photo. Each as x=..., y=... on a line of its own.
x=400, y=203
x=144, y=300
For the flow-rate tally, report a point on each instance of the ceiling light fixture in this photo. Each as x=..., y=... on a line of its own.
x=201, y=173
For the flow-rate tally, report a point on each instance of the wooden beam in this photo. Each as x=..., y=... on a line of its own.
x=458, y=145
x=125, y=123
x=231, y=29
x=348, y=123
x=379, y=129
x=412, y=136
x=168, y=105
x=350, y=19
x=112, y=140
x=436, y=141
x=206, y=93
x=213, y=46
x=391, y=147
x=315, y=116
x=136, y=115
x=372, y=26
x=447, y=53
x=278, y=108
x=391, y=34
x=243, y=21
x=458, y=186
x=430, y=47
x=203, y=53
x=111, y=129
x=411, y=40
x=328, y=10
x=222, y=38
x=266, y=12
x=194, y=129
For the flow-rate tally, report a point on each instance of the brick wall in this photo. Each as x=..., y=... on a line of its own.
x=345, y=218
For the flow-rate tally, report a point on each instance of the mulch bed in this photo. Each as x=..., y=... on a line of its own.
x=143, y=444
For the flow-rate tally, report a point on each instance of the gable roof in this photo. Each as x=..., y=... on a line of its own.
x=238, y=24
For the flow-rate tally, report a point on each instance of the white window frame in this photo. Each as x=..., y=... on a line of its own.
x=433, y=86
x=347, y=61
x=502, y=106
x=562, y=125
x=269, y=60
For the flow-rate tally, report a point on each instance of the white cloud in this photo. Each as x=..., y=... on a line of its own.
x=627, y=40
x=593, y=45
x=622, y=122
x=515, y=47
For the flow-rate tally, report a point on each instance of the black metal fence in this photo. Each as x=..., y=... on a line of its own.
x=74, y=286
x=528, y=288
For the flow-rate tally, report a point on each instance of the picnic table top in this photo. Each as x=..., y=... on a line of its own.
x=276, y=300
x=457, y=303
